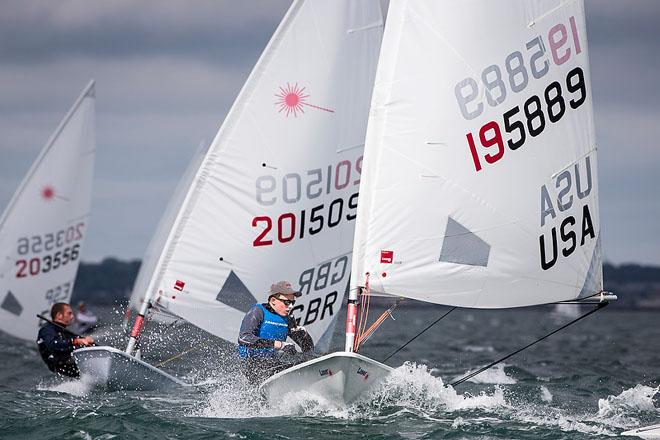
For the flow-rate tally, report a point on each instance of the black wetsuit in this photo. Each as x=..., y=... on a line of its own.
x=55, y=346
x=260, y=367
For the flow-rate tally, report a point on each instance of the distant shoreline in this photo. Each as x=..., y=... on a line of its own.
x=110, y=282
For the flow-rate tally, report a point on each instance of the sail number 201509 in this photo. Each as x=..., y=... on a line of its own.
x=335, y=181
x=291, y=225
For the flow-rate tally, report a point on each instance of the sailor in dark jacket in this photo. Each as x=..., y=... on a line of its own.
x=56, y=343
x=264, y=330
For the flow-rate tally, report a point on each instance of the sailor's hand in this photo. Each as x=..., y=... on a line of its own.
x=83, y=342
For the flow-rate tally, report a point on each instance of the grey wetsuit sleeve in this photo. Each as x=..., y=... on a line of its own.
x=249, y=334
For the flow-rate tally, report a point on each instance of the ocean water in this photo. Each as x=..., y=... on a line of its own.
x=593, y=380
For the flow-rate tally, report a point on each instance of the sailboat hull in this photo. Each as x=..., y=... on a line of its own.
x=648, y=432
x=113, y=370
x=340, y=377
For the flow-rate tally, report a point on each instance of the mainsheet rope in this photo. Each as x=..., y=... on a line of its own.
x=481, y=370
x=418, y=335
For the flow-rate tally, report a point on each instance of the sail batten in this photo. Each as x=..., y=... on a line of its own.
x=479, y=185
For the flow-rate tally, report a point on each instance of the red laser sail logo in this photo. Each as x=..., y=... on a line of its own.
x=292, y=99
x=48, y=193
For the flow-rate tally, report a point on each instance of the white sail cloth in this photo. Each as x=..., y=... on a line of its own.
x=275, y=197
x=479, y=186
x=159, y=239
x=44, y=226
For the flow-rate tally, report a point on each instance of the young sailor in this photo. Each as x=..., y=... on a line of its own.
x=264, y=330
x=56, y=343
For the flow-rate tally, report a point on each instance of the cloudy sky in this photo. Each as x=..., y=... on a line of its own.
x=167, y=73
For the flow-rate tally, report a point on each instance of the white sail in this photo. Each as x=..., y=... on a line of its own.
x=44, y=226
x=479, y=186
x=159, y=239
x=275, y=197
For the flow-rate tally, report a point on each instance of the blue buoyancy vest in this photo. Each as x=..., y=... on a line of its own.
x=274, y=327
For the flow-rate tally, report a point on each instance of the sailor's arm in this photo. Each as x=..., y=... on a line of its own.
x=249, y=333
x=87, y=341
x=300, y=336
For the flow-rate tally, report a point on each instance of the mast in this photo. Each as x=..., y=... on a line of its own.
x=351, y=319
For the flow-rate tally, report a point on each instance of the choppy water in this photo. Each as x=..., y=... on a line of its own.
x=593, y=380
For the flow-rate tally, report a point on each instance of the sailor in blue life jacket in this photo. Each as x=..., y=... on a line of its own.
x=56, y=343
x=264, y=331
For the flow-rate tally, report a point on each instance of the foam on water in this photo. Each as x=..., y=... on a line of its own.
x=494, y=375
x=639, y=398
x=78, y=388
x=546, y=395
x=232, y=397
x=414, y=387
x=615, y=413
x=622, y=410
x=554, y=418
x=410, y=387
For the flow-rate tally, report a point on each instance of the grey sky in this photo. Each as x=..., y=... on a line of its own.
x=168, y=71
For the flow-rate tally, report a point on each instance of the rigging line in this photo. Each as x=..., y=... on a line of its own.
x=181, y=353
x=178, y=355
x=418, y=334
x=376, y=324
x=365, y=302
x=481, y=370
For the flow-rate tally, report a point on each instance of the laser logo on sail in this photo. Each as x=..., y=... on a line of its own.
x=292, y=99
x=48, y=193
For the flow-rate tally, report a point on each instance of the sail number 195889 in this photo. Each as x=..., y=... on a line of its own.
x=533, y=122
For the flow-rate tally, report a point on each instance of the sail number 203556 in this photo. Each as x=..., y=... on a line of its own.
x=37, y=265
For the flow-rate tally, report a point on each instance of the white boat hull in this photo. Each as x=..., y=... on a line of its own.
x=341, y=377
x=648, y=432
x=113, y=370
